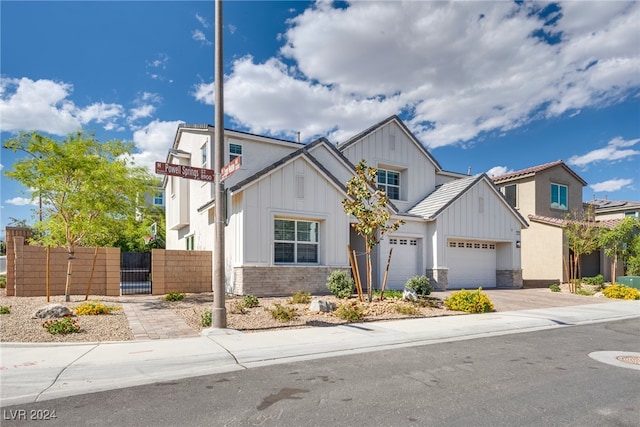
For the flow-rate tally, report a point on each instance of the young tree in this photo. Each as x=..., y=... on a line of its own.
x=87, y=188
x=620, y=242
x=369, y=205
x=582, y=234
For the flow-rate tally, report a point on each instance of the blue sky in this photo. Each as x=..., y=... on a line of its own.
x=492, y=86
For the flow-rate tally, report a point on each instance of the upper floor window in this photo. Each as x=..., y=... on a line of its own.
x=295, y=242
x=633, y=214
x=203, y=154
x=235, y=150
x=389, y=182
x=158, y=199
x=559, y=197
x=511, y=195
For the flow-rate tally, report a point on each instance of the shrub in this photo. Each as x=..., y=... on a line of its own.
x=351, y=312
x=3, y=281
x=420, y=284
x=238, y=307
x=469, y=301
x=174, y=296
x=300, y=297
x=340, y=284
x=66, y=325
x=391, y=293
x=250, y=301
x=95, y=307
x=621, y=292
x=408, y=309
x=555, y=287
x=5, y=309
x=205, y=318
x=596, y=280
x=584, y=292
x=283, y=314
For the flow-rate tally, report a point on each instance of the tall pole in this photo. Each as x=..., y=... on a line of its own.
x=219, y=313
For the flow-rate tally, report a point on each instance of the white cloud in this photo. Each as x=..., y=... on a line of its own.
x=21, y=201
x=44, y=105
x=615, y=150
x=611, y=185
x=498, y=170
x=202, y=20
x=153, y=142
x=198, y=35
x=455, y=70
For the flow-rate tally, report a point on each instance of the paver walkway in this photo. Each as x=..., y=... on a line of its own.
x=149, y=320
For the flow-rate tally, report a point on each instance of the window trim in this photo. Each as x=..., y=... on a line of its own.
x=385, y=186
x=204, y=155
x=559, y=196
x=296, y=242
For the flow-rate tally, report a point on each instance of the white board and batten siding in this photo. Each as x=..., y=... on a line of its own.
x=297, y=190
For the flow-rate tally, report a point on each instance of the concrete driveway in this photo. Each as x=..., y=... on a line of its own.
x=526, y=299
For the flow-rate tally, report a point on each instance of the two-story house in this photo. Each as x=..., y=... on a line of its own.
x=545, y=195
x=286, y=229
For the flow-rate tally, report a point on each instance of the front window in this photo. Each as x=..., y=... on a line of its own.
x=295, y=242
x=158, y=199
x=389, y=182
x=511, y=195
x=559, y=197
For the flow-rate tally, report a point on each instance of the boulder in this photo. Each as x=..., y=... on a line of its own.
x=319, y=305
x=409, y=295
x=53, y=311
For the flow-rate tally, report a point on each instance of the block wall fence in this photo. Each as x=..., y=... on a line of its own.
x=171, y=270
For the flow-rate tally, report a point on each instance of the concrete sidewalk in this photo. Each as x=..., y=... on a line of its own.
x=38, y=372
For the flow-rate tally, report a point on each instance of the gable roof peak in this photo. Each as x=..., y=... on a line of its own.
x=530, y=171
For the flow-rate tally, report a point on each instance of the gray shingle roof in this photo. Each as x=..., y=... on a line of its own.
x=442, y=197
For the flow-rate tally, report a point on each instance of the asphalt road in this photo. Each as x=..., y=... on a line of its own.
x=544, y=378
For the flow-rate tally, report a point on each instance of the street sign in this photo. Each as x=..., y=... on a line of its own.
x=184, y=171
x=230, y=168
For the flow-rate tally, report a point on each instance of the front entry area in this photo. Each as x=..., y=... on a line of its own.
x=471, y=264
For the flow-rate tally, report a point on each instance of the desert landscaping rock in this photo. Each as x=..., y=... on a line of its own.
x=320, y=305
x=409, y=295
x=53, y=311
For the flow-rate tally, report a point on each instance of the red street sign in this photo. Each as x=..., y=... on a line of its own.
x=230, y=168
x=184, y=171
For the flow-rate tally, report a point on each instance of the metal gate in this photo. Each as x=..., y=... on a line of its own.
x=135, y=273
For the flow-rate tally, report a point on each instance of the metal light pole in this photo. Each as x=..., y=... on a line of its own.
x=219, y=314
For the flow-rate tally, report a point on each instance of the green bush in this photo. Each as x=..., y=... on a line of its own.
x=250, y=301
x=469, y=301
x=237, y=307
x=3, y=281
x=66, y=325
x=5, y=309
x=596, y=280
x=95, y=307
x=391, y=293
x=621, y=292
x=205, y=318
x=174, y=296
x=351, y=312
x=408, y=309
x=283, y=314
x=300, y=297
x=584, y=292
x=420, y=284
x=340, y=284
x=555, y=287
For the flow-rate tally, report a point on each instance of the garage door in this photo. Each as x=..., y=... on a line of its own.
x=471, y=264
x=404, y=262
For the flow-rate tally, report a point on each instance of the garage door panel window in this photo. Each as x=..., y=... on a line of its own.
x=295, y=242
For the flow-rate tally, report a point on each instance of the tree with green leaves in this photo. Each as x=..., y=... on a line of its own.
x=369, y=205
x=582, y=234
x=620, y=242
x=87, y=188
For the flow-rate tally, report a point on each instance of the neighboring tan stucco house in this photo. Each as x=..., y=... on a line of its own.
x=606, y=209
x=286, y=229
x=546, y=195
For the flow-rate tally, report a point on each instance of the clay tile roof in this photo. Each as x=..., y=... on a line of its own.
x=560, y=222
x=533, y=170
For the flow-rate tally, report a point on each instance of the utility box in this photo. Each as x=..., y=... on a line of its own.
x=631, y=281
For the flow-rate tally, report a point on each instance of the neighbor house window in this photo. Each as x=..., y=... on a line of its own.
x=158, y=199
x=235, y=150
x=203, y=154
x=559, y=197
x=389, y=182
x=511, y=195
x=190, y=242
x=295, y=242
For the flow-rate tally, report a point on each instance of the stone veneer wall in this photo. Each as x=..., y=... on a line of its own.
x=509, y=279
x=438, y=278
x=181, y=271
x=271, y=281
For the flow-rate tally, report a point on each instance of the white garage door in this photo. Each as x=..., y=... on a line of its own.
x=404, y=262
x=471, y=264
